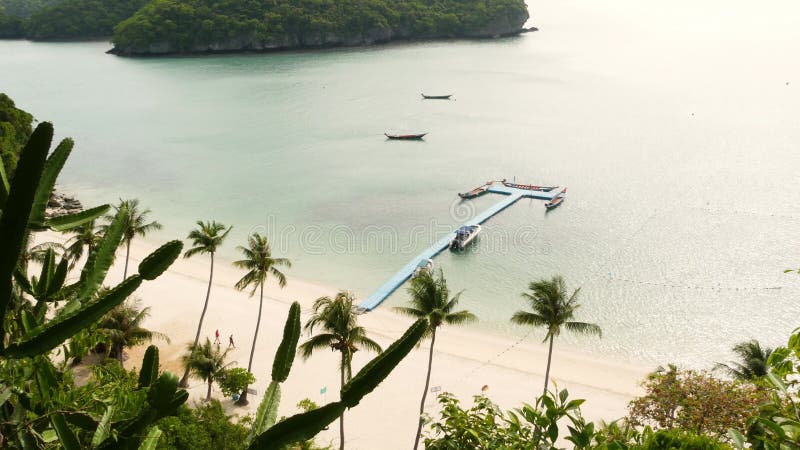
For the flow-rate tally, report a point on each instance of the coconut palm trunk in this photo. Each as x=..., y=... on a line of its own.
x=185, y=380
x=425, y=391
x=127, y=256
x=208, y=393
x=243, y=397
x=341, y=416
x=547, y=371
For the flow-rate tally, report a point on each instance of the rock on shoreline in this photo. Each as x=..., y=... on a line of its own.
x=62, y=204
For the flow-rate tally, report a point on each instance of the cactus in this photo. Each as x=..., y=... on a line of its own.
x=281, y=365
x=305, y=426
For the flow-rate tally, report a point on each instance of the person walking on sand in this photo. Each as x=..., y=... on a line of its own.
x=216, y=337
x=230, y=342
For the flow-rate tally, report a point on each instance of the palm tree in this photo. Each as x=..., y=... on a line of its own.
x=553, y=310
x=205, y=362
x=205, y=239
x=122, y=326
x=338, y=319
x=752, y=362
x=85, y=236
x=135, y=224
x=429, y=299
x=259, y=263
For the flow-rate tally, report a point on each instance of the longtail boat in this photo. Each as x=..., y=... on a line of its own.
x=478, y=191
x=407, y=137
x=437, y=97
x=557, y=200
x=529, y=187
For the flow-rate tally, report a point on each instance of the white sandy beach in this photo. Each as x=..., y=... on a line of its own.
x=385, y=419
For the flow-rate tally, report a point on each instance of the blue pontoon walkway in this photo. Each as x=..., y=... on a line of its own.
x=397, y=280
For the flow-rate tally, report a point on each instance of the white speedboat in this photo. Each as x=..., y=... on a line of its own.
x=464, y=236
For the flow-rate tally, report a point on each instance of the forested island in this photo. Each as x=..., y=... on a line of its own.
x=195, y=26
x=63, y=19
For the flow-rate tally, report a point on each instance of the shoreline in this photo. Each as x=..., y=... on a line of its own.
x=466, y=358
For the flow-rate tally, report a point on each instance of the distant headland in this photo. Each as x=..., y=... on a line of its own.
x=164, y=27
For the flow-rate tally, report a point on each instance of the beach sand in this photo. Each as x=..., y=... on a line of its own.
x=387, y=417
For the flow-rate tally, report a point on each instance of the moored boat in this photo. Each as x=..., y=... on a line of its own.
x=529, y=187
x=437, y=97
x=557, y=200
x=407, y=137
x=478, y=191
x=465, y=236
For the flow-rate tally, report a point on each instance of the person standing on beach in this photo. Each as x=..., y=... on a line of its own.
x=216, y=337
x=230, y=342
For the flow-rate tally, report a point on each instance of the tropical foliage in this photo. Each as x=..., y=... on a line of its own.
x=134, y=223
x=337, y=320
x=232, y=381
x=206, y=362
x=40, y=403
x=203, y=427
x=552, y=309
x=260, y=264
x=122, y=328
x=430, y=299
x=696, y=402
x=752, y=362
x=206, y=239
x=206, y=24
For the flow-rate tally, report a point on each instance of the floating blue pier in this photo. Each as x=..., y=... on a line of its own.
x=397, y=280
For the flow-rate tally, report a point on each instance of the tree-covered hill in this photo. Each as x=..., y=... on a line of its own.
x=15, y=129
x=63, y=19
x=187, y=26
x=80, y=19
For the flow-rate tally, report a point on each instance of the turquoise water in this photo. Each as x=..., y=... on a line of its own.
x=673, y=126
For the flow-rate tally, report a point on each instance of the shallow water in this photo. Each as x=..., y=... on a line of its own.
x=672, y=124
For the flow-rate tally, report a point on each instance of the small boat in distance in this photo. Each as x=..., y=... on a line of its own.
x=426, y=265
x=407, y=137
x=437, y=97
x=557, y=200
x=529, y=187
x=478, y=191
x=464, y=236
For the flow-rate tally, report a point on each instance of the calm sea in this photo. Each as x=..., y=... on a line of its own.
x=676, y=127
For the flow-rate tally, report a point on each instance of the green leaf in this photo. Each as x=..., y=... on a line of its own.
x=57, y=280
x=103, y=428
x=736, y=438
x=70, y=221
x=46, y=337
x=267, y=410
x=775, y=381
x=149, y=371
x=298, y=428
x=101, y=258
x=157, y=262
x=284, y=356
x=382, y=365
x=5, y=393
x=552, y=432
x=65, y=435
x=47, y=181
x=17, y=209
x=162, y=390
x=151, y=441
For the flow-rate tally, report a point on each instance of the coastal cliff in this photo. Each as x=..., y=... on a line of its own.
x=202, y=26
